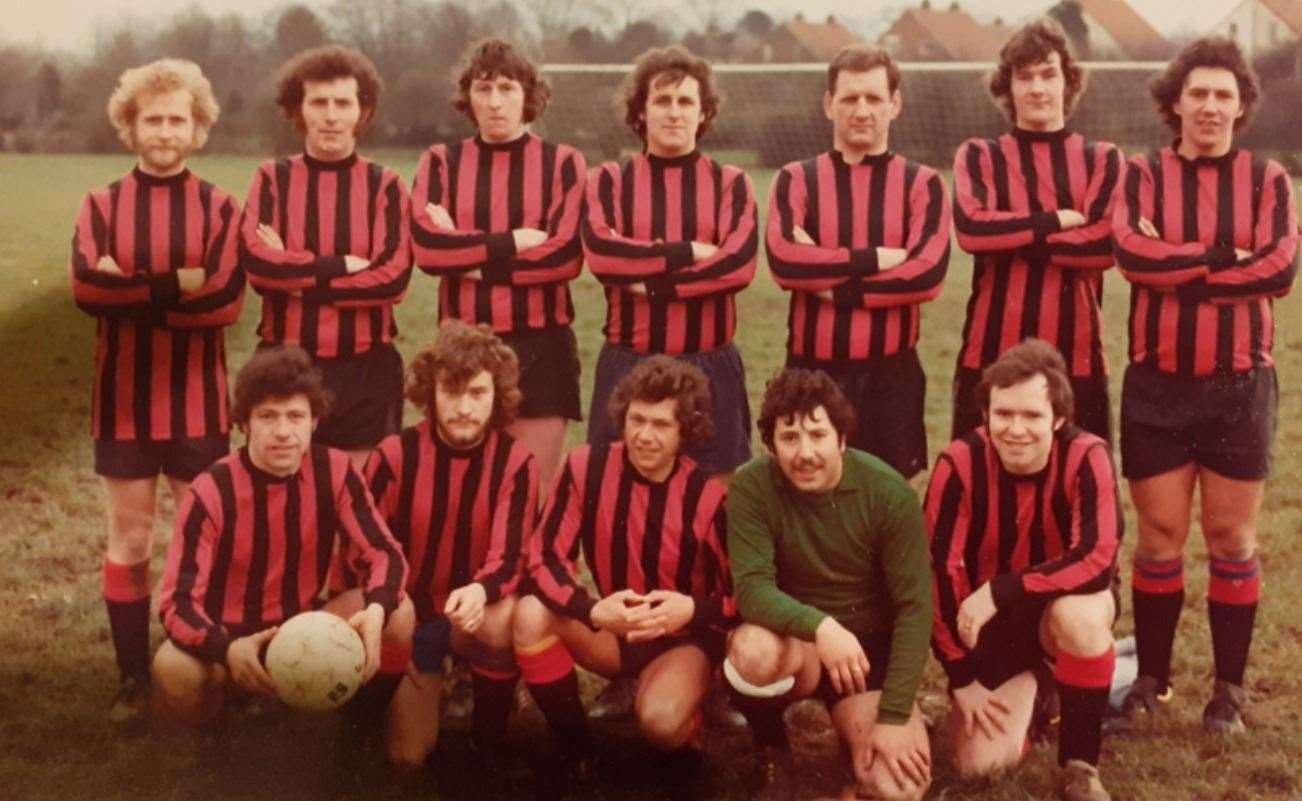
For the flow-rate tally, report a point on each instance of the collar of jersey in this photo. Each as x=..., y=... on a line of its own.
x=672, y=161
x=160, y=180
x=515, y=144
x=260, y=475
x=342, y=164
x=452, y=451
x=1204, y=161
x=871, y=160
x=1040, y=136
x=636, y=475
x=841, y=488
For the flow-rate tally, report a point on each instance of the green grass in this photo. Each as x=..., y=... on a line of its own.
x=56, y=670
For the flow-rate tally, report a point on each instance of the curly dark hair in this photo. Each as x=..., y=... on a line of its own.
x=797, y=392
x=276, y=373
x=667, y=65
x=1023, y=361
x=659, y=378
x=1212, y=51
x=327, y=63
x=459, y=352
x=862, y=58
x=493, y=57
x=1032, y=44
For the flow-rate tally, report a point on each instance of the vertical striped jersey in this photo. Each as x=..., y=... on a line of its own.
x=1196, y=308
x=643, y=213
x=634, y=533
x=850, y=210
x=1034, y=538
x=160, y=358
x=490, y=190
x=252, y=550
x=1030, y=278
x=323, y=211
x=461, y=516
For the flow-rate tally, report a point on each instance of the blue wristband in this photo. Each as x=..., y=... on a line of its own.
x=430, y=643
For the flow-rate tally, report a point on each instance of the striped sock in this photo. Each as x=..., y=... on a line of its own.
x=1083, y=684
x=1233, y=591
x=126, y=597
x=1157, y=588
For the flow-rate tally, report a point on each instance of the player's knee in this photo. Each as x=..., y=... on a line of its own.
x=1234, y=541
x=184, y=689
x=531, y=621
x=1081, y=624
x=1162, y=534
x=663, y=721
x=880, y=784
x=131, y=538
x=401, y=622
x=407, y=755
x=979, y=762
x=756, y=653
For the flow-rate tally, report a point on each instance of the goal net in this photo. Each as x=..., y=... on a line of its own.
x=773, y=113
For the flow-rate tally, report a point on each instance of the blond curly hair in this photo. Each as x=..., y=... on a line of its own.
x=156, y=77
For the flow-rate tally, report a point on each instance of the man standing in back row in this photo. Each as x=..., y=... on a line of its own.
x=154, y=261
x=324, y=240
x=860, y=236
x=671, y=235
x=496, y=216
x=1031, y=207
x=1207, y=235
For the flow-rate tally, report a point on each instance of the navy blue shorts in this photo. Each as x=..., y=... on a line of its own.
x=729, y=404
x=181, y=459
x=549, y=372
x=889, y=397
x=1092, y=412
x=635, y=656
x=365, y=399
x=1224, y=422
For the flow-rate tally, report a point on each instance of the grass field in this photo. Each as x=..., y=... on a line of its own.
x=56, y=669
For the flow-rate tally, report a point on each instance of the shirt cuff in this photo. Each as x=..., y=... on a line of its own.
x=1221, y=257
x=500, y=246
x=678, y=255
x=864, y=262
x=1006, y=590
x=164, y=289
x=1044, y=223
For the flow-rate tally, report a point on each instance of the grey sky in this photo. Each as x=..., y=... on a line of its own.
x=71, y=24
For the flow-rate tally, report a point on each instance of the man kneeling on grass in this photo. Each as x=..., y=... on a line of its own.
x=650, y=523
x=1025, y=526
x=252, y=544
x=829, y=554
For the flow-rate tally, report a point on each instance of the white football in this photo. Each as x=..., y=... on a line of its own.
x=316, y=660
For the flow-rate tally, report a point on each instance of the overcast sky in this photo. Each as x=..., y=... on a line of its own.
x=71, y=24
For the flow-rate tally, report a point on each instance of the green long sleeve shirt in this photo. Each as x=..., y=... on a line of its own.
x=857, y=553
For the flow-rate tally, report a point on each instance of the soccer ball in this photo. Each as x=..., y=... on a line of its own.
x=316, y=660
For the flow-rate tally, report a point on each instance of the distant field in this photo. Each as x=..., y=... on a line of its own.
x=56, y=670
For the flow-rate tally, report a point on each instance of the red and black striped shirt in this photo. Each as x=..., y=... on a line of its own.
x=1032, y=537
x=643, y=213
x=1195, y=308
x=1030, y=278
x=160, y=357
x=490, y=190
x=324, y=211
x=252, y=550
x=461, y=516
x=850, y=210
x=635, y=534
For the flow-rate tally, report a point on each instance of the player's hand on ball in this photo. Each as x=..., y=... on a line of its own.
x=270, y=238
x=1070, y=218
x=440, y=216
x=107, y=264
x=190, y=279
x=465, y=607
x=981, y=709
x=355, y=264
x=526, y=238
x=800, y=236
x=842, y=657
x=975, y=611
x=890, y=257
x=703, y=250
x=369, y=624
x=242, y=657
